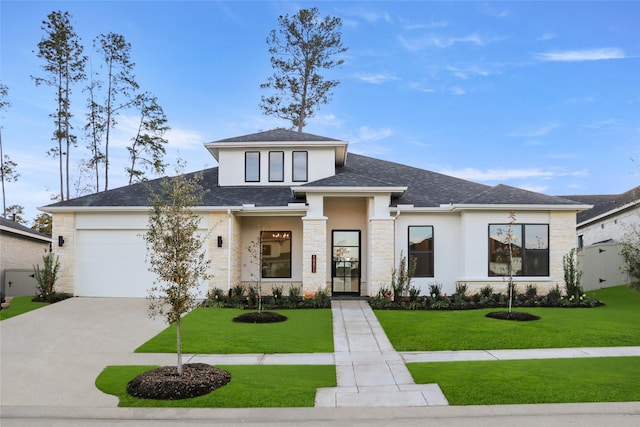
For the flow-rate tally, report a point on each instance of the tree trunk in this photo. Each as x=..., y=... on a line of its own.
x=179, y=346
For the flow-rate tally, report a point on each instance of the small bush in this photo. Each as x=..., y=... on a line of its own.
x=435, y=290
x=531, y=291
x=461, y=289
x=487, y=292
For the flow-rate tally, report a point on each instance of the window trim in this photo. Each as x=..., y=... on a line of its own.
x=246, y=168
x=431, y=253
x=306, y=166
x=523, y=226
x=262, y=263
x=280, y=178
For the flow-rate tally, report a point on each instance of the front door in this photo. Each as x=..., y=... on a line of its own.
x=345, y=265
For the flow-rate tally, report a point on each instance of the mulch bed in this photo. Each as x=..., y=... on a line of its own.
x=260, y=317
x=165, y=384
x=514, y=315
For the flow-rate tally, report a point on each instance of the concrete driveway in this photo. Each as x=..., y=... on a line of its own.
x=52, y=356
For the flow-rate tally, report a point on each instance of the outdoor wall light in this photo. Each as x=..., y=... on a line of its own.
x=60, y=241
x=219, y=241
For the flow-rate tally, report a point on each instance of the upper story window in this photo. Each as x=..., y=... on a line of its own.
x=252, y=166
x=421, y=250
x=529, y=249
x=276, y=166
x=276, y=254
x=300, y=166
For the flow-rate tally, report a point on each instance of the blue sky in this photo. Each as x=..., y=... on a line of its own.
x=539, y=95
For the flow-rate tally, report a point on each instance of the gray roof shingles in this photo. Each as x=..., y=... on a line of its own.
x=603, y=203
x=424, y=188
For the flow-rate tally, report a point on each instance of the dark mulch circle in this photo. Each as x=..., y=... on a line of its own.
x=260, y=317
x=165, y=384
x=514, y=315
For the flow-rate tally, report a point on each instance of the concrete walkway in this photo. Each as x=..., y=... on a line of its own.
x=50, y=358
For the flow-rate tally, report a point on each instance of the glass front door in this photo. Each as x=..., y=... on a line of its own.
x=345, y=265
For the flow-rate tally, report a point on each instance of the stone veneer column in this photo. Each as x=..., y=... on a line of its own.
x=562, y=238
x=314, y=242
x=381, y=254
x=64, y=225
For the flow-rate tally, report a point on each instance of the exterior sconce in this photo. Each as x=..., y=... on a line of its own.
x=60, y=241
x=219, y=241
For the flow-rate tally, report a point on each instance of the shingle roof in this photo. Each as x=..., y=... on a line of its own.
x=603, y=203
x=277, y=135
x=424, y=188
x=22, y=229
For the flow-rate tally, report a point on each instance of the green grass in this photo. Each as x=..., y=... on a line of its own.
x=505, y=382
x=212, y=331
x=615, y=324
x=20, y=305
x=251, y=386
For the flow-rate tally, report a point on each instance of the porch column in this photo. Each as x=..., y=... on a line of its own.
x=64, y=224
x=381, y=254
x=314, y=245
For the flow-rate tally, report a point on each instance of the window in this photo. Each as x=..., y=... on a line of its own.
x=421, y=250
x=529, y=249
x=276, y=254
x=300, y=163
x=252, y=166
x=276, y=166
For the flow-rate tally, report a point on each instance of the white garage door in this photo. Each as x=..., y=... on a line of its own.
x=111, y=263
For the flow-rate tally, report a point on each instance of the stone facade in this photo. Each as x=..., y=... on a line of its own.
x=314, y=243
x=381, y=254
x=64, y=225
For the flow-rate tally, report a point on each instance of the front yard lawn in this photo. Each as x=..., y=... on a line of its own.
x=503, y=382
x=251, y=386
x=615, y=324
x=20, y=305
x=212, y=331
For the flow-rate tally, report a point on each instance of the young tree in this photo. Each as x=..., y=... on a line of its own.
x=147, y=149
x=175, y=251
x=630, y=252
x=304, y=45
x=61, y=50
x=120, y=85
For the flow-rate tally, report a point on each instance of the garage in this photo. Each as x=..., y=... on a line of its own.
x=111, y=263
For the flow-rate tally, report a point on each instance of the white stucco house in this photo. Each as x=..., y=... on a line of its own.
x=326, y=218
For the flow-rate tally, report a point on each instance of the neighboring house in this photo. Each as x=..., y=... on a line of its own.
x=600, y=230
x=20, y=249
x=325, y=218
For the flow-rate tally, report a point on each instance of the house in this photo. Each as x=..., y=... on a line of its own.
x=600, y=231
x=20, y=249
x=325, y=218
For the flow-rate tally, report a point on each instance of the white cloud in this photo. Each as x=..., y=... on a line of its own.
x=420, y=87
x=367, y=134
x=442, y=42
x=547, y=36
x=498, y=175
x=464, y=73
x=582, y=55
x=378, y=78
x=534, y=132
x=599, y=124
x=456, y=90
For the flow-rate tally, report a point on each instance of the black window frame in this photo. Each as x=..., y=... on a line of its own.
x=247, y=168
x=280, y=178
x=411, y=253
x=306, y=166
x=289, y=236
x=527, y=255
